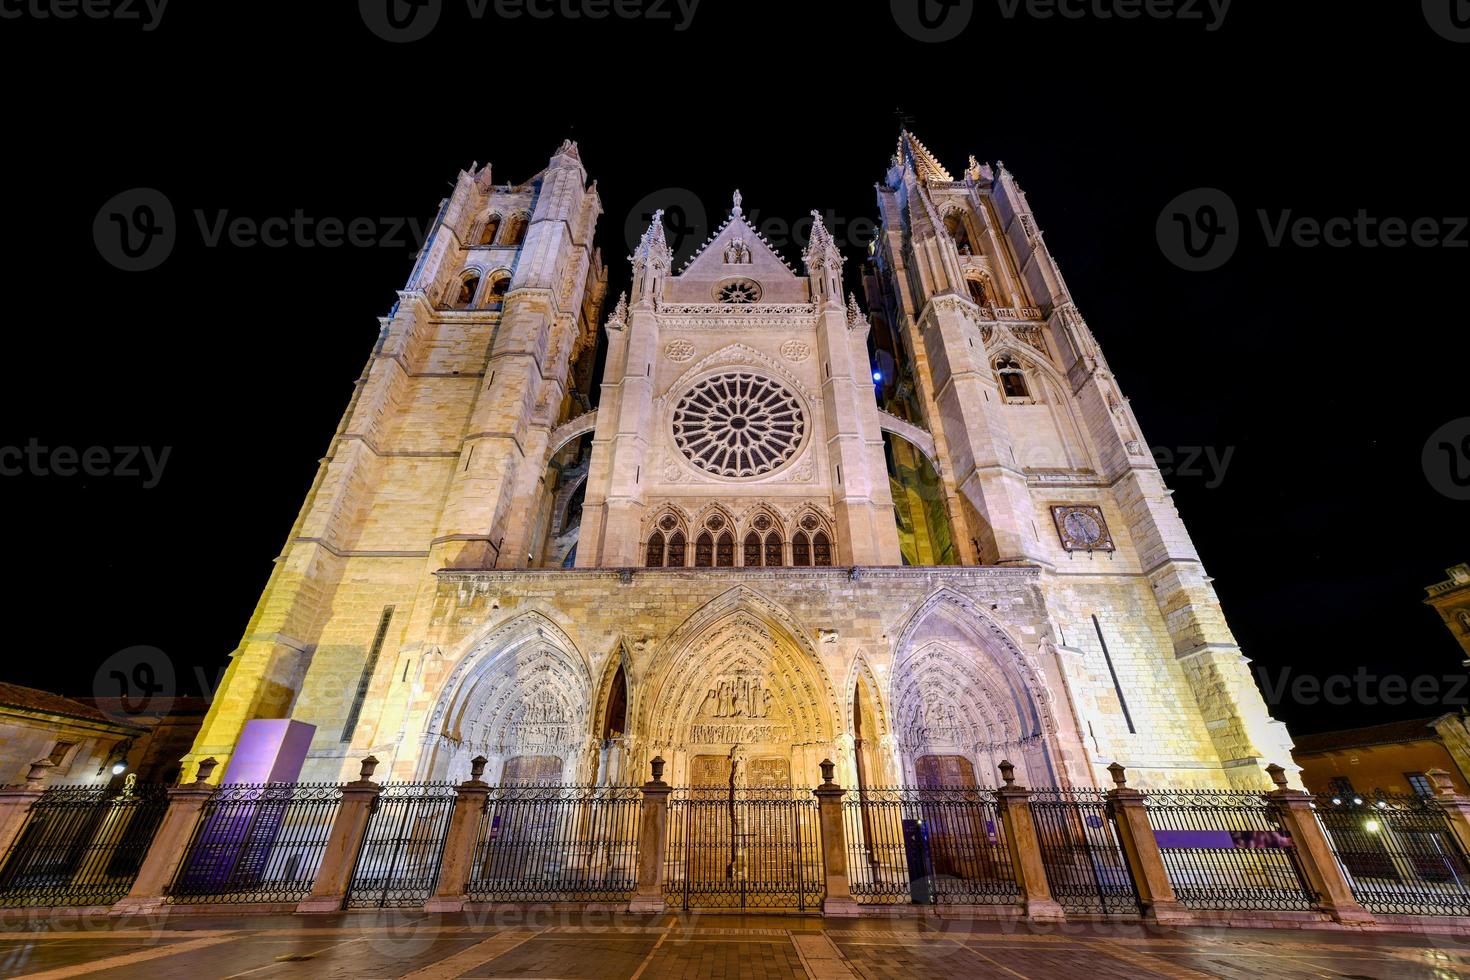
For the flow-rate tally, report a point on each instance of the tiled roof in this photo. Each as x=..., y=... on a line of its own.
x=1393, y=732
x=31, y=699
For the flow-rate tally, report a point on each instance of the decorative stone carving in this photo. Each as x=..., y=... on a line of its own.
x=795, y=350
x=679, y=350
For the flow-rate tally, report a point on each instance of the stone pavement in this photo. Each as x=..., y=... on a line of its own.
x=589, y=946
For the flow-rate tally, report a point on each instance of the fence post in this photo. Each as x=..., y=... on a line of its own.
x=359, y=800
x=1141, y=849
x=170, y=844
x=1314, y=852
x=838, y=900
x=1025, y=846
x=459, y=846
x=15, y=805
x=653, y=840
x=1455, y=806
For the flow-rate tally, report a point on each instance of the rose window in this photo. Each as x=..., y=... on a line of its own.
x=740, y=291
x=738, y=425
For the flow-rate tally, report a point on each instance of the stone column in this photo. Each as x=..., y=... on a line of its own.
x=15, y=804
x=653, y=841
x=459, y=848
x=1314, y=852
x=1025, y=847
x=1141, y=850
x=839, y=900
x=359, y=800
x=170, y=844
x=1456, y=807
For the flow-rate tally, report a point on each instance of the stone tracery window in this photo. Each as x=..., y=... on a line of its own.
x=465, y=293
x=725, y=551
x=801, y=549
x=676, y=550
x=1012, y=378
x=977, y=292
x=492, y=228
x=740, y=291
x=739, y=425
x=654, y=558
x=704, y=551
x=773, y=549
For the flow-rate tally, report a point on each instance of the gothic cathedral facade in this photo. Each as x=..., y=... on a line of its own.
x=918, y=533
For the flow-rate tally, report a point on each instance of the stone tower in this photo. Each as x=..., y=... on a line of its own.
x=918, y=540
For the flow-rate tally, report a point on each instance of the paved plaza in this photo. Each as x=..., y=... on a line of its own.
x=585, y=946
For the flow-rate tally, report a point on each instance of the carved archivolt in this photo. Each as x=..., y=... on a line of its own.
x=737, y=672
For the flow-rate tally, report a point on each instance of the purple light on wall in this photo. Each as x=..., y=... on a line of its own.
x=270, y=750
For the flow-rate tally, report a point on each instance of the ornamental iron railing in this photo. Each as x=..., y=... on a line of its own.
x=1226, y=850
x=927, y=846
x=257, y=843
x=744, y=849
x=398, y=860
x=557, y=843
x=1080, y=849
x=1398, y=854
x=81, y=846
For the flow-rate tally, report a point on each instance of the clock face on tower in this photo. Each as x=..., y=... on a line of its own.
x=1082, y=528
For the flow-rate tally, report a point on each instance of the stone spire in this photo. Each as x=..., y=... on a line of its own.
x=652, y=261
x=916, y=154
x=823, y=264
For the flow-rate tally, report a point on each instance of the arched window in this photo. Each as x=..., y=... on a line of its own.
x=1012, y=378
x=725, y=551
x=515, y=231
x=655, y=554
x=492, y=228
x=801, y=549
x=954, y=223
x=704, y=550
x=676, y=550
x=773, y=550
x=752, y=550
x=496, y=298
x=977, y=292
x=615, y=721
x=468, y=286
x=822, y=550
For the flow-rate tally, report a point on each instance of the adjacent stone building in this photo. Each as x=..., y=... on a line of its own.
x=918, y=532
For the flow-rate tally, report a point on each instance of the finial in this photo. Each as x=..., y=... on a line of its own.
x=1008, y=773
x=1120, y=775
x=739, y=200
x=37, y=773
x=205, y=770
x=828, y=768
x=368, y=766
x=1277, y=774
x=477, y=767
x=658, y=768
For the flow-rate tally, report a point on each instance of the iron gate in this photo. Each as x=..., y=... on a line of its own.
x=81, y=846
x=744, y=849
x=398, y=862
x=1080, y=850
x=1399, y=855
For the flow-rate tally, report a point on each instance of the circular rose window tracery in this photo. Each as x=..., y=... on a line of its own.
x=738, y=425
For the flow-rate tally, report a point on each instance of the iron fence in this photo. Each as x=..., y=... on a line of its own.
x=80, y=846
x=927, y=846
x=1081, y=852
x=1226, y=850
x=257, y=842
x=1398, y=854
x=398, y=862
x=557, y=843
x=744, y=849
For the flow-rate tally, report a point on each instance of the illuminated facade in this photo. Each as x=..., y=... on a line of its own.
x=742, y=559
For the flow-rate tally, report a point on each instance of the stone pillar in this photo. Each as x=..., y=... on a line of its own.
x=459, y=848
x=1314, y=852
x=1025, y=846
x=1141, y=850
x=15, y=804
x=170, y=844
x=1456, y=807
x=359, y=800
x=839, y=900
x=653, y=841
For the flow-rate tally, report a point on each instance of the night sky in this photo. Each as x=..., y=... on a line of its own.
x=1321, y=371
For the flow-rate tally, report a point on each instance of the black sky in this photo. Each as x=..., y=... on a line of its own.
x=1323, y=371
